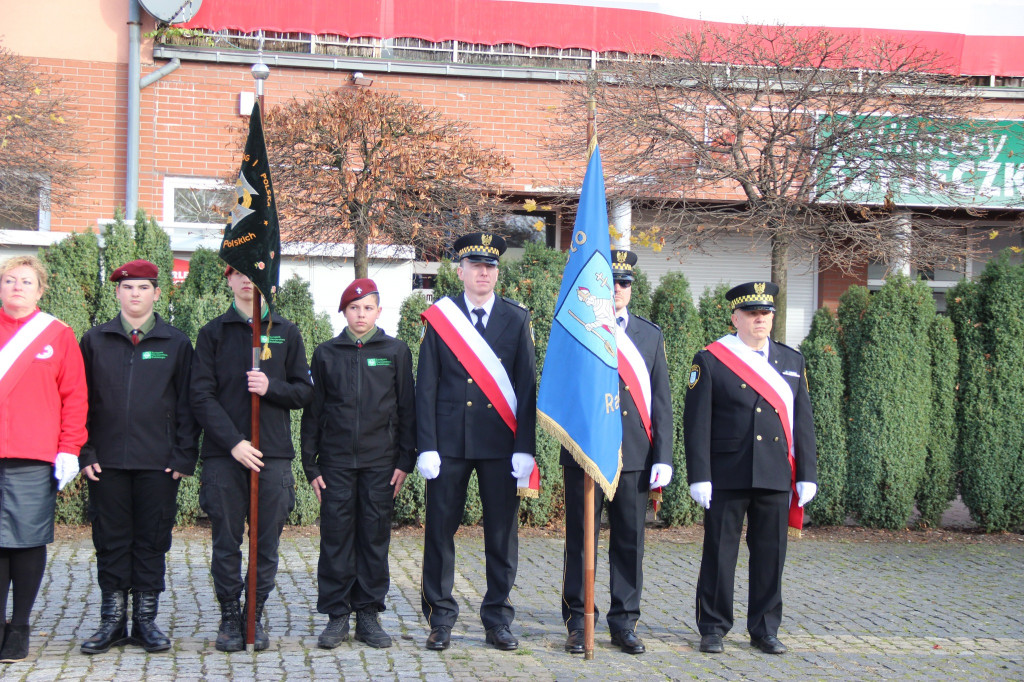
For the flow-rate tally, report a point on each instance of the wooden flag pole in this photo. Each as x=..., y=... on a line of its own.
x=589, y=550
x=259, y=73
x=589, y=562
x=254, y=480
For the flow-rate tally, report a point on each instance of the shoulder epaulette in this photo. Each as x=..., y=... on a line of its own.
x=515, y=303
x=644, y=319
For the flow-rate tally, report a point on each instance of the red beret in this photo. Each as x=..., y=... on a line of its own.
x=137, y=269
x=357, y=290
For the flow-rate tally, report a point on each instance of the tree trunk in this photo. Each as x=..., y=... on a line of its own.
x=780, y=274
x=361, y=258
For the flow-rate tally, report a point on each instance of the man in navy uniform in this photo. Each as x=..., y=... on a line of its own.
x=646, y=464
x=142, y=440
x=749, y=447
x=465, y=422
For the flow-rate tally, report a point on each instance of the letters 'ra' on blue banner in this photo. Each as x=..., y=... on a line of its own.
x=579, y=387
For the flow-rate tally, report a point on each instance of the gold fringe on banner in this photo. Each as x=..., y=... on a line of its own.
x=558, y=433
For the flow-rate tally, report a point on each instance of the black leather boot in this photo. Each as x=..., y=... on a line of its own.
x=145, y=631
x=15, y=647
x=113, y=627
x=260, y=641
x=229, y=636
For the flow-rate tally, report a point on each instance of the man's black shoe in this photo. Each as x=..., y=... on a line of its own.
x=769, y=644
x=711, y=644
x=440, y=638
x=628, y=642
x=335, y=633
x=501, y=638
x=574, y=642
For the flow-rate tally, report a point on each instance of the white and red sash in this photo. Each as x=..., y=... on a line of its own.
x=473, y=351
x=637, y=378
x=754, y=369
x=17, y=354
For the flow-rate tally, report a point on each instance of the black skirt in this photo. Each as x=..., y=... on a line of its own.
x=28, y=501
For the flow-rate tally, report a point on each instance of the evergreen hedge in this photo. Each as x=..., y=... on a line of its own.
x=890, y=403
x=825, y=385
x=715, y=315
x=672, y=309
x=938, y=486
x=988, y=318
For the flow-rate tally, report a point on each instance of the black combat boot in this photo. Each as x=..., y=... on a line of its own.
x=229, y=635
x=260, y=640
x=145, y=631
x=113, y=626
x=368, y=629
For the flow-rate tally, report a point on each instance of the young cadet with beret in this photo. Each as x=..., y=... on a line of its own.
x=142, y=440
x=358, y=444
x=222, y=383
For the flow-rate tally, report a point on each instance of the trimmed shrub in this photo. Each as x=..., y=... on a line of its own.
x=202, y=296
x=890, y=403
x=642, y=297
x=988, y=318
x=65, y=300
x=715, y=315
x=77, y=259
x=825, y=385
x=674, y=311
x=154, y=245
x=938, y=486
x=118, y=249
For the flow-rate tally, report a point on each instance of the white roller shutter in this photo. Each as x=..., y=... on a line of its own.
x=734, y=260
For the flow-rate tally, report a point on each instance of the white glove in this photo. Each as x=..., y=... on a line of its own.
x=806, y=490
x=701, y=493
x=429, y=464
x=522, y=464
x=661, y=475
x=65, y=468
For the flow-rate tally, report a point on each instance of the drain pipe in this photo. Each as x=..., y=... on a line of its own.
x=135, y=85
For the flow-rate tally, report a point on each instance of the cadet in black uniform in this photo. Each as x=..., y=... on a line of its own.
x=358, y=444
x=142, y=440
x=459, y=430
x=738, y=465
x=646, y=463
x=222, y=380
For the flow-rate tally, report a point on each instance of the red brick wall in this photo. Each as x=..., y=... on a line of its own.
x=832, y=283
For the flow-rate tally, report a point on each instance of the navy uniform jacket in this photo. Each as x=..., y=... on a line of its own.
x=638, y=453
x=733, y=436
x=139, y=412
x=453, y=416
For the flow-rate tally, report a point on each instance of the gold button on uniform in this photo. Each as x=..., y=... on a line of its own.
x=776, y=439
x=489, y=406
x=757, y=409
x=743, y=385
x=469, y=381
x=469, y=403
x=625, y=413
x=759, y=437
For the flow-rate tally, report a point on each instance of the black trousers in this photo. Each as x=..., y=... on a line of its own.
x=767, y=514
x=132, y=513
x=446, y=501
x=224, y=496
x=627, y=512
x=355, y=533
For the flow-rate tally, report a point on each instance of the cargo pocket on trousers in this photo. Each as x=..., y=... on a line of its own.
x=383, y=502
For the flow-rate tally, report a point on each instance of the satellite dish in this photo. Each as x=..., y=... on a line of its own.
x=172, y=11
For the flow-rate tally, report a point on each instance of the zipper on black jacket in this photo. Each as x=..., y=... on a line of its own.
x=128, y=397
x=359, y=399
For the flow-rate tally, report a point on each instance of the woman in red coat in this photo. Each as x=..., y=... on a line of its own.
x=43, y=407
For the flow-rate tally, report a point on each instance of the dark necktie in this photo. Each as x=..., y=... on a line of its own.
x=135, y=337
x=762, y=354
x=479, y=312
x=621, y=321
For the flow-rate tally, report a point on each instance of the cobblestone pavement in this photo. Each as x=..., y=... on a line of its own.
x=854, y=610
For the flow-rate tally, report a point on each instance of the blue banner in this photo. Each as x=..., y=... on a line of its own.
x=578, y=399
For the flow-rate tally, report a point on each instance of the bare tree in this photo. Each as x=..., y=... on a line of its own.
x=38, y=142
x=835, y=143
x=368, y=167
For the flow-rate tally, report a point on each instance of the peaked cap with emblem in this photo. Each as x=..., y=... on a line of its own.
x=360, y=288
x=136, y=269
x=622, y=265
x=480, y=247
x=753, y=296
